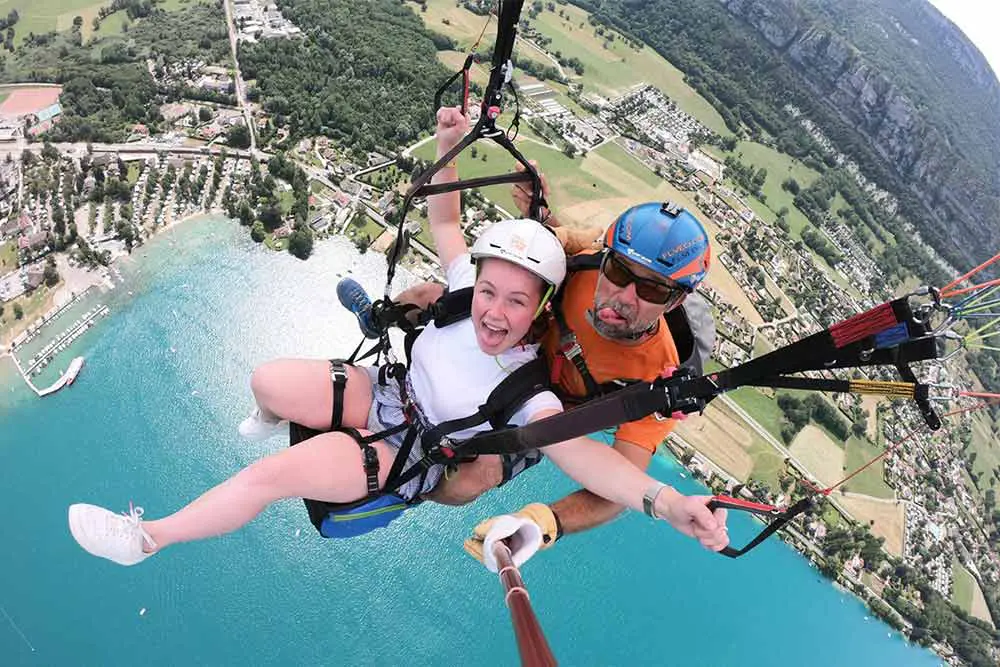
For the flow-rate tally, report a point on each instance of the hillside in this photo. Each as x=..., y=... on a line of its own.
x=893, y=84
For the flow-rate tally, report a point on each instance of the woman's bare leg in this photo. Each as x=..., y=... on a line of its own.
x=301, y=390
x=327, y=467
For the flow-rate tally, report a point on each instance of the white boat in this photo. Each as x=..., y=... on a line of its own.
x=73, y=370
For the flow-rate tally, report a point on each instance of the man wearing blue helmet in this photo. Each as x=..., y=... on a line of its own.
x=609, y=327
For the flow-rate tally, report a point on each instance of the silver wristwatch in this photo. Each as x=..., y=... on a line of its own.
x=649, y=499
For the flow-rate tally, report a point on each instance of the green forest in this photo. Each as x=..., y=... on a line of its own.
x=366, y=75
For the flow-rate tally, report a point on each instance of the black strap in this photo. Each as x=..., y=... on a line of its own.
x=781, y=518
x=338, y=374
x=451, y=307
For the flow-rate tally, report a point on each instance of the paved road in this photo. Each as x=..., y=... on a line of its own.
x=241, y=92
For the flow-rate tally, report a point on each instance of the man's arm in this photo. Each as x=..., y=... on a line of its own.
x=583, y=510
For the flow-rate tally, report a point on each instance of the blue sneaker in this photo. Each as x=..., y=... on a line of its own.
x=354, y=298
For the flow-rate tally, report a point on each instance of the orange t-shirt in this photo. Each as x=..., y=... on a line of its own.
x=608, y=360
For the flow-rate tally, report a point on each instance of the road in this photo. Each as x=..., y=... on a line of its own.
x=241, y=91
x=136, y=148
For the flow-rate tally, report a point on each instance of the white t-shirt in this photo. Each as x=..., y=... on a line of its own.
x=452, y=377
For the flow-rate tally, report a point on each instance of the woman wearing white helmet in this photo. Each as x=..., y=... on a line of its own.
x=514, y=268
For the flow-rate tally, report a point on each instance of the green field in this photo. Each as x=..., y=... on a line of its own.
x=767, y=462
x=986, y=449
x=868, y=482
x=763, y=409
x=779, y=167
x=42, y=16
x=964, y=586
x=8, y=257
x=566, y=177
x=369, y=227
x=630, y=165
x=613, y=70
x=608, y=72
x=34, y=304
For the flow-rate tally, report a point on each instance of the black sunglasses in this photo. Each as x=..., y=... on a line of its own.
x=653, y=291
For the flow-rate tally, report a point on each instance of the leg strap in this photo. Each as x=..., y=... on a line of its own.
x=338, y=375
x=369, y=457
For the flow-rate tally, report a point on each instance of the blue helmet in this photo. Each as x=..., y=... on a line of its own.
x=664, y=238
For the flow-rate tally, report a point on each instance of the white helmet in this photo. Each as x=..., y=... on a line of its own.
x=526, y=243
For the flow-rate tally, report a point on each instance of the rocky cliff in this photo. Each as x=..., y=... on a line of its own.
x=935, y=158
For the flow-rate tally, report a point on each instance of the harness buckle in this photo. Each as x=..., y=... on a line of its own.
x=338, y=372
x=569, y=347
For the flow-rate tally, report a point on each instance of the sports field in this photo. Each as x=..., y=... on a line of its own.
x=28, y=99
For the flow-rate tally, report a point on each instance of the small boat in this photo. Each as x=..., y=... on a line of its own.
x=73, y=370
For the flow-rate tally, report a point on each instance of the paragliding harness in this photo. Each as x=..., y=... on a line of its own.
x=384, y=504
x=887, y=335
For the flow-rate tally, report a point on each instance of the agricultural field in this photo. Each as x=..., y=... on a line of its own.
x=986, y=450
x=967, y=594
x=615, y=69
x=723, y=437
x=870, y=481
x=608, y=72
x=819, y=454
x=42, y=16
x=885, y=519
x=764, y=409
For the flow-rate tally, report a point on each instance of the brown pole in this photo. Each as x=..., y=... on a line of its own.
x=531, y=643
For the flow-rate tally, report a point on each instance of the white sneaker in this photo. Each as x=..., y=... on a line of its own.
x=256, y=427
x=117, y=537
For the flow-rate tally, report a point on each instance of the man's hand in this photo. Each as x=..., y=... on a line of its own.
x=526, y=539
x=522, y=195
x=690, y=515
x=452, y=125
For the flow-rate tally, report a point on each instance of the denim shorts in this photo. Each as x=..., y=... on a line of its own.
x=387, y=412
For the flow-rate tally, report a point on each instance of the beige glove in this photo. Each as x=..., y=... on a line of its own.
x=537, y=513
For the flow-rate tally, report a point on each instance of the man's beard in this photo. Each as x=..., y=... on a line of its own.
x=630, y=329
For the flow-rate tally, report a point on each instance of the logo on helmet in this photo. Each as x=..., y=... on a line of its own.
x=682, y=251
x=518, y=245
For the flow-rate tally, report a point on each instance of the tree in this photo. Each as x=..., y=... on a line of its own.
x=18, y=311
x=245, y=214
x=257, y=232
x=51, y=274
x=270, y=217
x=238, y=136
x=204, y=114
x=300, y=242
